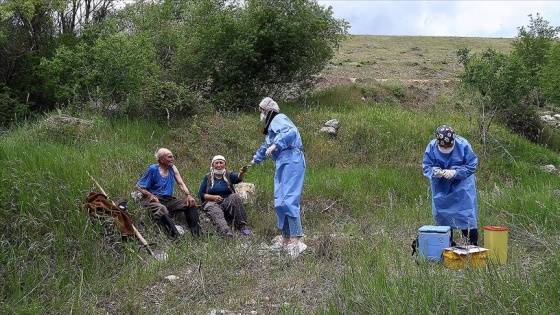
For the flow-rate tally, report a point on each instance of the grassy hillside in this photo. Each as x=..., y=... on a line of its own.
x=364, y=199
x=421, y=59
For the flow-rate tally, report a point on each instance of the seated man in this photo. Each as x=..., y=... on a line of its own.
x=156, y=186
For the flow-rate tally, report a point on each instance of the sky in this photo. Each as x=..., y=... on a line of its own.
x=442, y=18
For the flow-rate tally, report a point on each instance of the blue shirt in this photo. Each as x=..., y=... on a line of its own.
x=156, y=184
x=220, y=187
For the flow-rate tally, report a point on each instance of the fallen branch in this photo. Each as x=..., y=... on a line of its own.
x=160, y=255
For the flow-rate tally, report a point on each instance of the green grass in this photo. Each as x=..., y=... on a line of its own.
x=363, y=201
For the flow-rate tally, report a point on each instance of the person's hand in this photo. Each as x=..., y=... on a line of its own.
x=190, y=201
x=270, y=150
x=449, y=174
x=153, y=198
x=218, y=199
x=244, y=169
x=438, y=173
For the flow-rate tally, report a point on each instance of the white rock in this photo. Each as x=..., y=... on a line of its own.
x=171, y=278
x=329, y=130
x=245, y=191
x=550, y=168
x=332, y=123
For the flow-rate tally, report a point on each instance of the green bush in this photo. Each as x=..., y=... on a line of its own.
x=11, y=110
x=550, y=75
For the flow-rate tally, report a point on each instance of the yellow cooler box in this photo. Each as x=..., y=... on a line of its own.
x=460, y=257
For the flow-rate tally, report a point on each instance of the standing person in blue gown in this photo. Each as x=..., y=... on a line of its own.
x=284, y=146
x=450, y=163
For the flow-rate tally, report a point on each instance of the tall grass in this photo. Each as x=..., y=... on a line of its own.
x=364, y=199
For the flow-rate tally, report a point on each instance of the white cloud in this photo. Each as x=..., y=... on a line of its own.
x=442, y=18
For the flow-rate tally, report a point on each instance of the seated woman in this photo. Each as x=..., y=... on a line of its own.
x=219, y=198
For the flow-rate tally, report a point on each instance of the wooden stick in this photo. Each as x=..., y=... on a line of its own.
x=136, y=232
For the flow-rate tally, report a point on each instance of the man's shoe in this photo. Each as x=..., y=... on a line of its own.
x=180, y=230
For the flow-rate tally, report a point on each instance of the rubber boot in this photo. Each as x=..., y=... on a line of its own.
x=197, y=230
x=167, y=221
x=471, y=235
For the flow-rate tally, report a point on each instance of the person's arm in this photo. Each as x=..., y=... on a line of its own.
x=429, y=166
x=242, y=173
x=190, y=200
x=285, y=132
x=260, y=155
x=202, y=188
x=151, y=197
x=470, y=163
x=202, y=191
x=143, y=185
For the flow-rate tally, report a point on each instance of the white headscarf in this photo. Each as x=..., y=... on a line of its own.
x=212, y=171
x=269, y=104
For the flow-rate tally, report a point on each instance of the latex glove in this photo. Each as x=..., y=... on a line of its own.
x=449, y=174
x=438, y=173
x=270, y=150
x=252, y=163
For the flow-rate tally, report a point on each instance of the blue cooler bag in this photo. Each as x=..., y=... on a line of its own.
x=432, y=240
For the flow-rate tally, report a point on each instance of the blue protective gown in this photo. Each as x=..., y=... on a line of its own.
x=454, y=200
x=290, y=166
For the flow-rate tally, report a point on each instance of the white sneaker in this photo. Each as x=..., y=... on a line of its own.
x=180, y=229
x=279, y=245
x=295, y=250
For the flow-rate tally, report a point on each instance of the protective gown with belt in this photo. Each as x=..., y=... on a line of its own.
x=290, y=166
x=454, y=201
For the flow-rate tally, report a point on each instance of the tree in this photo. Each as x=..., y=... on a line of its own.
x=498, y=84
x=532, y=45
x=31, y=30
x=272, y=48
x=232, y=53
x=550, y=74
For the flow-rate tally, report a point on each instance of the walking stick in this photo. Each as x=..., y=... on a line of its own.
x=158, y=254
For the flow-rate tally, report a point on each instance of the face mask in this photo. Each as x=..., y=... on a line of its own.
x=263, y=118
x=446, y=150
x=220, y=172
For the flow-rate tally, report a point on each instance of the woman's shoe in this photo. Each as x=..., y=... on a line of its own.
x=295, y=249
x=279, y=245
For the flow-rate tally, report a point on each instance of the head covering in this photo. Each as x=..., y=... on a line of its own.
x=213, y=171
x=217, y=157
x=269, y=104
x=445, y=136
